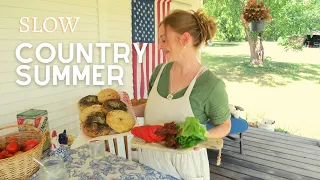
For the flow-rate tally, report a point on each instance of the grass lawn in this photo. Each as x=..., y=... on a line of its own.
x=272, y=74
x=286, y=88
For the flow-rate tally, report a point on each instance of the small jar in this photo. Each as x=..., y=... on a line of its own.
x=97, y=149
x=53, y=169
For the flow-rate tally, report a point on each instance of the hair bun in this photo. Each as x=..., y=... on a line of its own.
x=207, y=25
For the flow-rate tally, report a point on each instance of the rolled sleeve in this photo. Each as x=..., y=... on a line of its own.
x=217, y=104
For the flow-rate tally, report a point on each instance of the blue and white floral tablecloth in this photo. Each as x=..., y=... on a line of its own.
x=80, y=166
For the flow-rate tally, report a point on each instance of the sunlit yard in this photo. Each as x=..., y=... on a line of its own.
x=286, y=88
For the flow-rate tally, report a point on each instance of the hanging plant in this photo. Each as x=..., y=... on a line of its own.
x=256, y=14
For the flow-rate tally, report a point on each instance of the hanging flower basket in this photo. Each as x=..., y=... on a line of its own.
x=257, y=26
x=256, y=14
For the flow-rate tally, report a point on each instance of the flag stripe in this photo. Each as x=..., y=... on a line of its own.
x=140, y=35
x=134, y=64
x=153, y=57
x=147, y=66
x=159, y=20
x=142, y=75
x=138, y=75
x=164, y=13
x=145, y=70
x=168, y=6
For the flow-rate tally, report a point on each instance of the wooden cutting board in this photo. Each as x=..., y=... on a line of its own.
x=139, y=143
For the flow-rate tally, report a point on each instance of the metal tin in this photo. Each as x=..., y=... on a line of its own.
x=36, y=118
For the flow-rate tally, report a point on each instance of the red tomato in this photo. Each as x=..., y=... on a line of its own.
x=136, y=131
x=12, y=147
x=142, y=132
x=32, y=143
x=153, y=135
x=147, y=133
x=23, y=145
x=139, y=131
x=12, y=139
x=1, y=156
x=28, y=147
x=5, y=153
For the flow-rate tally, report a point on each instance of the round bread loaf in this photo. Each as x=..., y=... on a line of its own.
x=88, y=101
x=87, y=111
x=95, y=125
x=120, y=121
x=113, y=104
x=106, y=94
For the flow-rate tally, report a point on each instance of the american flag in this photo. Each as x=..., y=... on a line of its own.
x=146, y=16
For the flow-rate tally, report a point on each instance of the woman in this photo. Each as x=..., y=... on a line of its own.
x=181, y=88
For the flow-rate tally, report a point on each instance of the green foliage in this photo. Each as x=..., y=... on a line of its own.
x=281, y=41
x=281, y=130
x=253, y=35
x=227, y=19
x=287, y=130
x=289, y=18
x=293, y=18
x=292, y=44
x=192, y=133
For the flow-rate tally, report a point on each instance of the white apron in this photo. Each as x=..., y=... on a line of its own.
x=159, y=110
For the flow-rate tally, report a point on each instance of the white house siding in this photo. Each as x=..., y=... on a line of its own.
x=186, y=4
x=98, y=22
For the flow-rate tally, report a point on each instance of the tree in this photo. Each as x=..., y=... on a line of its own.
x=227, y=13
x=290, y=18
x=297, y=19
x=231, y=10
x=257, y=14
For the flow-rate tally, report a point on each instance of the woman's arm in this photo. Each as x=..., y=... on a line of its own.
x=139, y=110
x=218, y=111
x=219, y=131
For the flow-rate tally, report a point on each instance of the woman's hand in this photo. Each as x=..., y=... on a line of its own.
x=206, y=134
x=218, y=131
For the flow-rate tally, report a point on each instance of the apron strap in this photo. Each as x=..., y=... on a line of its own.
x=188, y=91
x=155, y=84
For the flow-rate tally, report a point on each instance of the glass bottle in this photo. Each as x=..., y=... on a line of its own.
x=53, y=169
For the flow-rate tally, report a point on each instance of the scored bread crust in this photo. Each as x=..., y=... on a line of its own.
x=91, y=132
x=106, y=94
x=95, y=125
x=87, y=101
x=89, y=110
x=120, y=121
x=113, y=104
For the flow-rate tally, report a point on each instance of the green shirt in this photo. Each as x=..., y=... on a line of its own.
x=208, y=99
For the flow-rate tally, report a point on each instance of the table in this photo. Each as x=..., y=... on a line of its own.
x=80, y=166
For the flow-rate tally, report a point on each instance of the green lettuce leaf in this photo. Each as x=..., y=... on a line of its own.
x=192, y=133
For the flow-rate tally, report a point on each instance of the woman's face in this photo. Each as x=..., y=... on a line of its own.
x=169, y=42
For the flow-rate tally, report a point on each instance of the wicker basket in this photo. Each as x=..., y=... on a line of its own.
x=22, y=166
